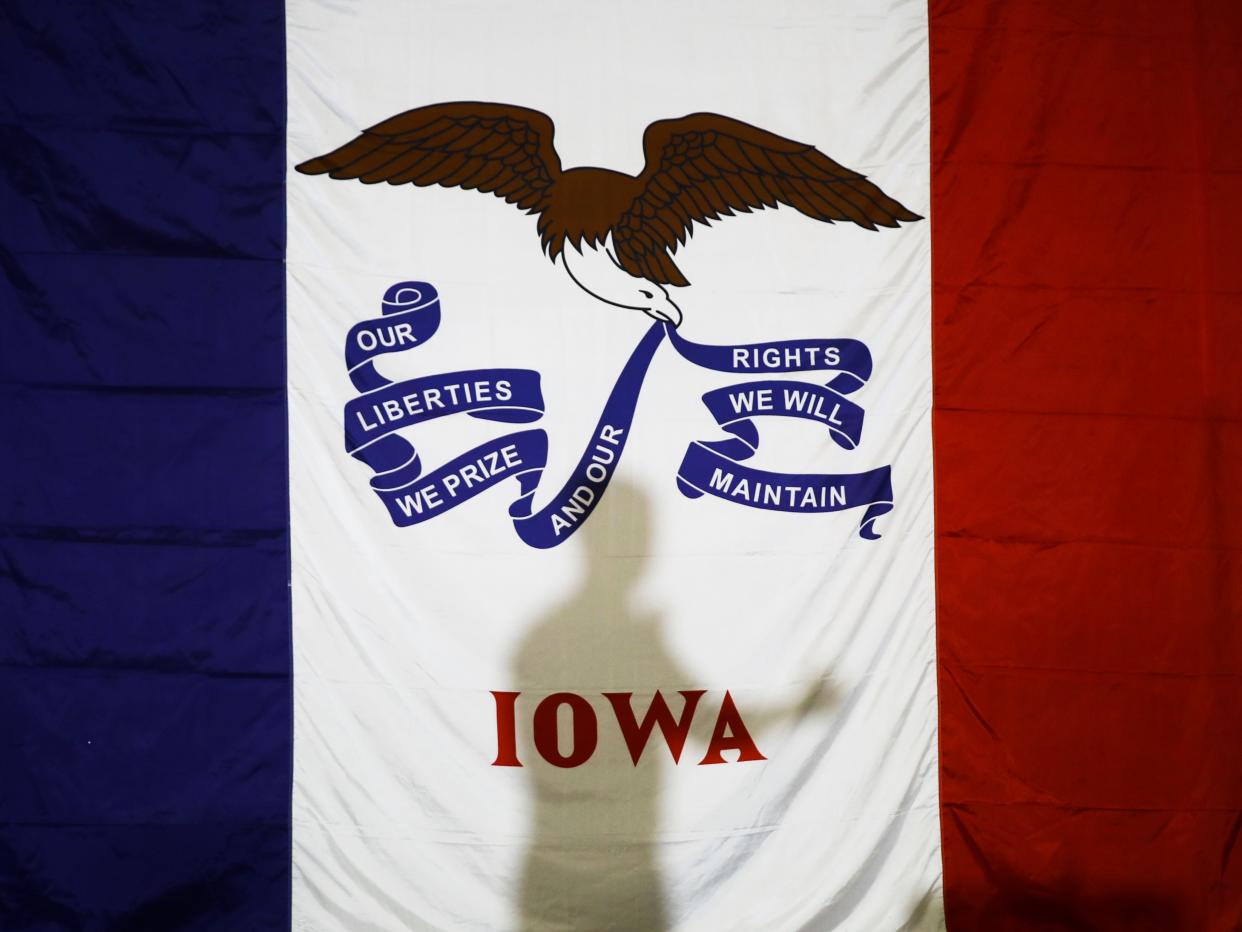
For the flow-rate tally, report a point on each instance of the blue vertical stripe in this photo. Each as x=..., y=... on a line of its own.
x=145, y=675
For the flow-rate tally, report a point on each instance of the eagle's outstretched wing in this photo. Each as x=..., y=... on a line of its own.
x=499, y=148
x=706, y=166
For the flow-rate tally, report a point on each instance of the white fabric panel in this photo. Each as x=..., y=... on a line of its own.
x=824, y=639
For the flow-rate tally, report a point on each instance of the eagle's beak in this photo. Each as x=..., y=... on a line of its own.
x=669, y=312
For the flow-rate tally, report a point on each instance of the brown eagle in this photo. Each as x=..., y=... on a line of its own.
x=698, y=168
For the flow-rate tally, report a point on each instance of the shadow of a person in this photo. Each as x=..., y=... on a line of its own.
x=592, y=858
x=591, y=861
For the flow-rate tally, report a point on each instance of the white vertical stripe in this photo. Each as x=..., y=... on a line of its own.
x=825, y=640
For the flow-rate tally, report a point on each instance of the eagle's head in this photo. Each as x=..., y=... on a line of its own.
x=654, y=301
x=595, y=269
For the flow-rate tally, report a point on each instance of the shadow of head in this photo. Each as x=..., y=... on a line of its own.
x=616, y=541
x=600, y=637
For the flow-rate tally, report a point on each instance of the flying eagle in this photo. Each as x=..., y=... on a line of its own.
x=699, y=168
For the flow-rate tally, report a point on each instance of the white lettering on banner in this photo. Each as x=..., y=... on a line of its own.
x=603, y=456
x=767, y=493
x=397, y=335
x=752, y=401
x=489, y=464
x=429, y=400
x=790, y=357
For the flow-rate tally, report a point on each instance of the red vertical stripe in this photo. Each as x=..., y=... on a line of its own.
x=1087, y=173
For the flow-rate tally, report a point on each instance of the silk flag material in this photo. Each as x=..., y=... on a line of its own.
x=566, y=512
x=364, y=568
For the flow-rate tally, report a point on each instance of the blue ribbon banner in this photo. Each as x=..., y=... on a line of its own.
x=411, y=316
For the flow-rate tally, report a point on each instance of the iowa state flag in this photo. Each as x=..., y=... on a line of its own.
x=646, y=466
